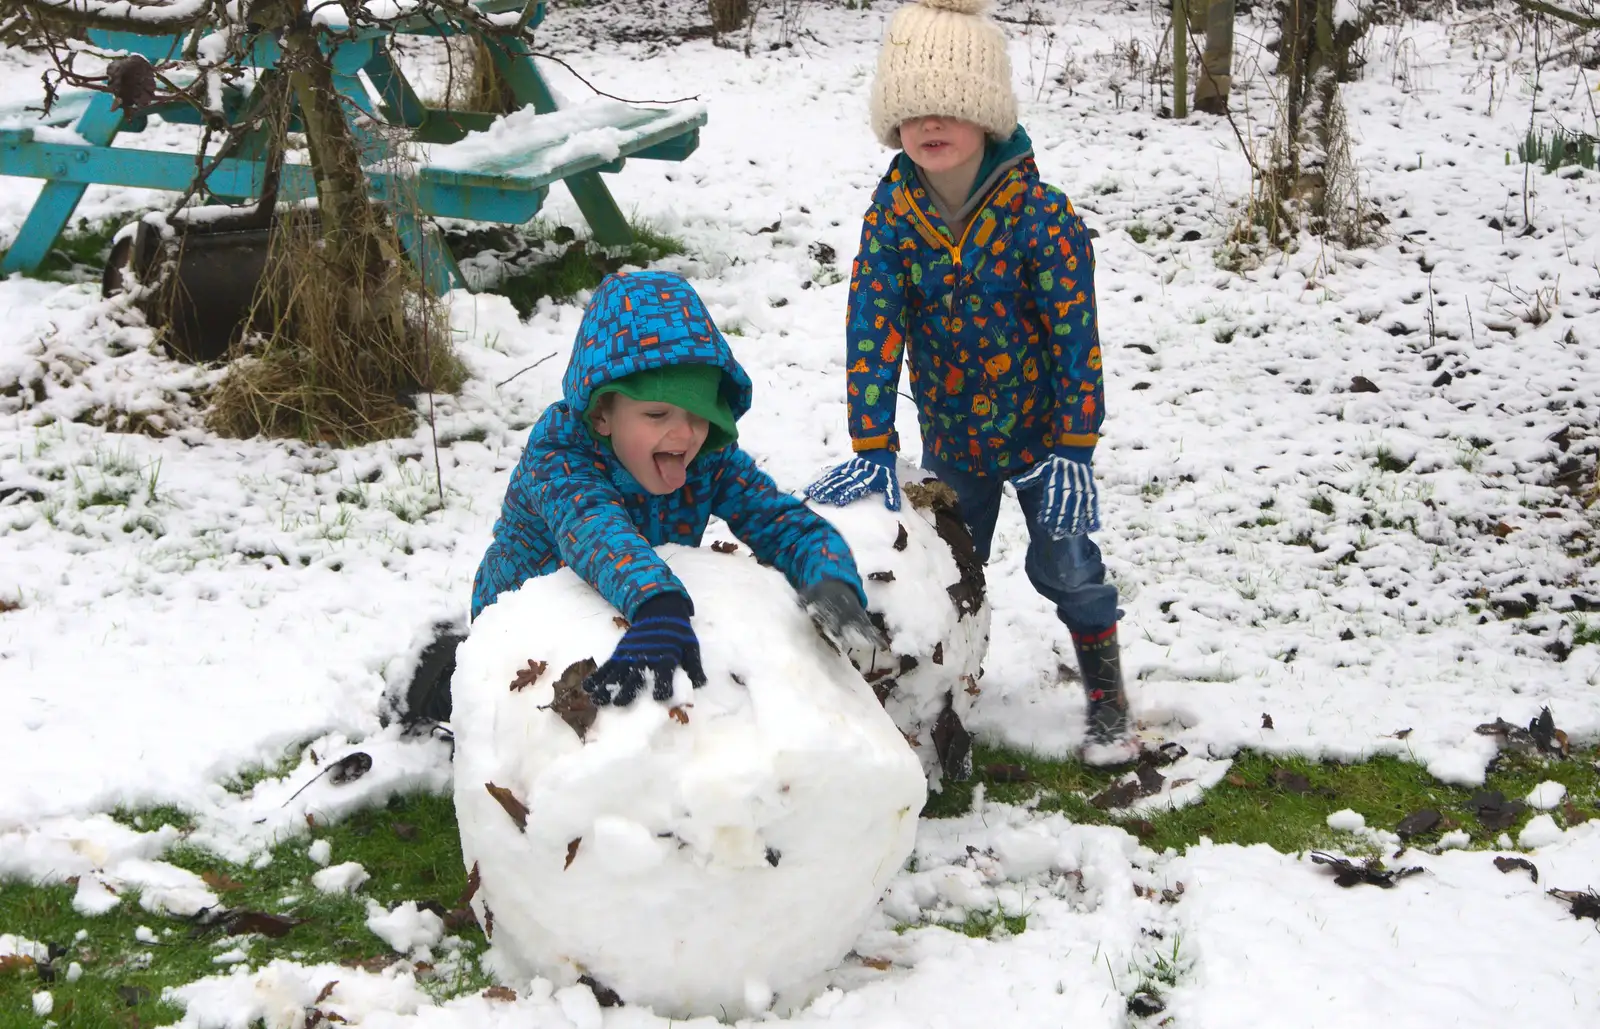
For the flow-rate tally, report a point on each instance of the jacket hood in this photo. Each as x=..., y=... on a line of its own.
x=643, y=320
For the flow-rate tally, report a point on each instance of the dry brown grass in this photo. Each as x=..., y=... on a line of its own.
x=331, y=366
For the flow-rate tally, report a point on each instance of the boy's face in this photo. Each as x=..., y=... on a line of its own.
x=654, y=441
x=940, y=144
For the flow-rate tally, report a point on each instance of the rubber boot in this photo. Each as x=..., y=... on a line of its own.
x=1108, y=736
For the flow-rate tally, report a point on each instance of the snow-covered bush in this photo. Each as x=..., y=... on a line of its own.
x=711, y=855
x=925, y=589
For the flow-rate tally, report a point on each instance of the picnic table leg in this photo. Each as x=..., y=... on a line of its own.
x=57, y=200
x=400, y=101
x=515, y=64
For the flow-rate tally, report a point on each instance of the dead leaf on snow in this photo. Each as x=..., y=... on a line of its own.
x=1583, y=904
x=881, y=576
x=679, y=715
x=508, y=800
x=572, y=852
x=474, y=880
x=500, y=993
x=621, y=623
x=1494, y=810
x=901, y=540
x=1511, y=864
x=327, y=991
x=575, y=707
x=528, y=676
x=881, y=964
x=604, y=996
x=724, y=547
x=1266, y=721
x=349, y=768
x=1119, y=794
x=1348, y=873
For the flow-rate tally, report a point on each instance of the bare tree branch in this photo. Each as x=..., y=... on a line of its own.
x=128, y=15
x=1583, y=21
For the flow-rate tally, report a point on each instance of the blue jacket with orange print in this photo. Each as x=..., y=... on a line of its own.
x=999, y=321
x=571, y=503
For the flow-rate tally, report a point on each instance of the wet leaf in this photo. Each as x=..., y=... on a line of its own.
x=621, y=623
x=374, y=965
x=1511, y=864
x=508, y=800
x=971, y=687
x=938, y=653
x=1494, y=810
x=474, y=881
x=349, y=768
x=679, y=715
x=240, y=923
x=881, y=964
x=488, y=923
x=774, y=856
x=724, y=547
x=1417, y=823
x=15, y=963
x=1294, y=782
x=606, y=998
x=881, y=576
x=572, y=852
x=1574, y=814
x=1348, y=873
x=404, y=832
x=575, y=706
x=1119, y=794
x=1168, y=753
x=1582, y=904
x=500, y=993
x=457, y=919
x=528, y=676
x=1236, y=780
x=1150, y=780
x=327, y=991
x=1006, y=773
x=1266, y=721
x=220, y=883
x=901, y=541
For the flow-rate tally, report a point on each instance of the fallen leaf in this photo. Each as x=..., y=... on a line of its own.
x=1362, y=384
x=774, y=856
x=508, y=800
x=1236, y=780
x=606, y=998
x=349, y=768
x=374, y=964
x=1575, y=815
x=724, y=547
x=1150, y=780
x=1502, y=530
x=1494, y=810
x=572, y=852
x=1169, y=752
x=1510, y=864
x=15, y=963
x=1181, y=782
x=1417, y=823
x=621, y=623
x=901, y=541
x=404, y=832
x=488, y=923
x=326, y=992
x=1266, y=721
x=881, y=964
x=971, y=688
x=1400, y=735
x=679, y=715
x=1582, y=904
x=911, y=738
x=1347, y=873
x=1119, y=794
x=457, y=919
x=575, y=706
x=938, y=653
x=311, y=820
x=500, y=993
x=220, y=883
x=241, y=923
x=1294, y=782
x=423, y=969
x=1006, y=773
x=528, y=676
x=881, y=576
x=474, y=880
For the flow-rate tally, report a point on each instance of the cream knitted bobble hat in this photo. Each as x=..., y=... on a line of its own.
x=943, y=57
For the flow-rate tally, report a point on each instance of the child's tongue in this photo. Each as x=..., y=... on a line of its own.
x=673, y=470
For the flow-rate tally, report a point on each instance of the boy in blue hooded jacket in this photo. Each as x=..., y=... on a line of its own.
x=642, y=450
x=980, y=276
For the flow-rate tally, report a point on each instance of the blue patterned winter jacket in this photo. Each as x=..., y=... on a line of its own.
x=571, y=503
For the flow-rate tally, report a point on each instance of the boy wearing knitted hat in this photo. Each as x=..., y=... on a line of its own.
x=642, y=450
x=985, y=275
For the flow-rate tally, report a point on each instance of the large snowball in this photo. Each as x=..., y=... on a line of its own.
x=926, y=588
x=704, y=857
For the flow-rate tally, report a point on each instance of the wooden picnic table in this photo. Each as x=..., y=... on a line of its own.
x=469, y=165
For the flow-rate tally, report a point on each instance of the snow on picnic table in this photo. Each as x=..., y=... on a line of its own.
x=1351, y=556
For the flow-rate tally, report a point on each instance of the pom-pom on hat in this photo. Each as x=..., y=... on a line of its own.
x=943, y=57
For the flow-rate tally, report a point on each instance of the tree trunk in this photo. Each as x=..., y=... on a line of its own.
x=1216, y=61
x=728, y=15
x=1312, y=151
x=1180, y=58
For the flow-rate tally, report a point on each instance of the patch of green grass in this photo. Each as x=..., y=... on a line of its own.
x=981, y=925
x=79, y=254
x=1138, y=232
x=410, y=848
x=1321, y=505
x=1252, y=806
x=1584, y=631
x=542, y=260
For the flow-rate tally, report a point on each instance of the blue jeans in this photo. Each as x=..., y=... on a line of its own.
x=1067, y=572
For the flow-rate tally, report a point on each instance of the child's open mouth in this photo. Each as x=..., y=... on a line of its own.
x=672, y=468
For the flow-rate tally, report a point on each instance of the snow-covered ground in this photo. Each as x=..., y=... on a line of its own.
x=1290, y=541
